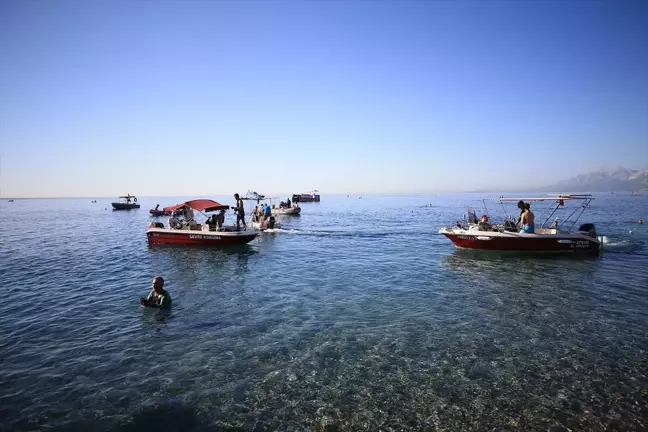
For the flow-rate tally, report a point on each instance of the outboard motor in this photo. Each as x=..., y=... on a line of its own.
x=271, y=222
x=588, y=228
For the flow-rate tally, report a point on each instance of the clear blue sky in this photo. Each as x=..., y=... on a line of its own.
x=203, y=97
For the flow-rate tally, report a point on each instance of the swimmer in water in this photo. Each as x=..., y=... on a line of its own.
x=158, y=297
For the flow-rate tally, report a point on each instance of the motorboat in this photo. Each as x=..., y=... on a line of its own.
x=284, y=208
x=127, y=202
x=191, y=233
x=548, y=236
x=257, y=221
x=312, y=196
x=293, y=210
x=155, y=212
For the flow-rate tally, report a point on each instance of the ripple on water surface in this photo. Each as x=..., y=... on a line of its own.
x=355, y=315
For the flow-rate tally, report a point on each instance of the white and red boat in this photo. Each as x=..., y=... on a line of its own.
x=557, y=237
x=195, y=234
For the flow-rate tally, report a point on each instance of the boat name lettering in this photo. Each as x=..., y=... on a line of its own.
x=582, y=243
x=465, y=237
x=203, y=237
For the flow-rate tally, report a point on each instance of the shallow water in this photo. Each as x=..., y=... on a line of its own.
x=355, y=315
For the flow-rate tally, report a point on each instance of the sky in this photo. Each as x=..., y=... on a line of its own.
x=204, y=97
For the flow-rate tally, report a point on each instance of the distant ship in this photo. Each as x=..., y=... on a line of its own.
x=306, y=197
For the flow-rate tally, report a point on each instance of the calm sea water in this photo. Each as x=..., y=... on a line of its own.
x=356, y=315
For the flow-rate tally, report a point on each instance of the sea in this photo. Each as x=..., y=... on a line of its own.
x=355, y=315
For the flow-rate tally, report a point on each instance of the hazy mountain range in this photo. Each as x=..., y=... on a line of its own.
x=611, y=179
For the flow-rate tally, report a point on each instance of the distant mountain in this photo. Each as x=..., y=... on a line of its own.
x=610, y=179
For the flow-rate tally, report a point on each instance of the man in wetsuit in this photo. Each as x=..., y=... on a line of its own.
x=158, y=297
x=239, y=209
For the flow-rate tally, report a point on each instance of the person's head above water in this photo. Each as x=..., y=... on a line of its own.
x=158, y=284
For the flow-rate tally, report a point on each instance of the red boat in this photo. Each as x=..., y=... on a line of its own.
x=557, y=237
x=191, y=233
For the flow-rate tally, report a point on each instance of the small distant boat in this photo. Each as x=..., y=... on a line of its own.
x=10, y=200
x=293, y=210
x=313, y=196
x=157, y=212
x=127, y=202
x=154, y=212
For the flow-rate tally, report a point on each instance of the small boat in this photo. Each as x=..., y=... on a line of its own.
x=306, y=197
x=293, y=210
x=127, y=202
x=195, y=234
x=555, y=237
x=284, y=208
x=10, y=200
x=257, y=221
x=156, y=213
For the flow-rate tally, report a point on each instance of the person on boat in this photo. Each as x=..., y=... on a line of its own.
x=188, y=214
x=157, y=207
x=528, y=220
x=288, y=203
x=220, y=219
x=174, y=222
x=522, y=208
x=483, y=224
x=158, y=297
x=267, y=212
x=239, y=209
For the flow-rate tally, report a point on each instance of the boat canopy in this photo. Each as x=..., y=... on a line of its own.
x=199, y=205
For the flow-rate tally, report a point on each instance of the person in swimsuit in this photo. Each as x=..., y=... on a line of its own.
x=528, y=220
x=240, y=213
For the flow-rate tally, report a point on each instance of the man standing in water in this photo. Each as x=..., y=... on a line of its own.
x=158, y=297
x=240, y=213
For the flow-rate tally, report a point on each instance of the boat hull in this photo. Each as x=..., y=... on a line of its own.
x=159, y=213
x=519, y=242
x=163, y=236
x=123, y=206
x=293, y=211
